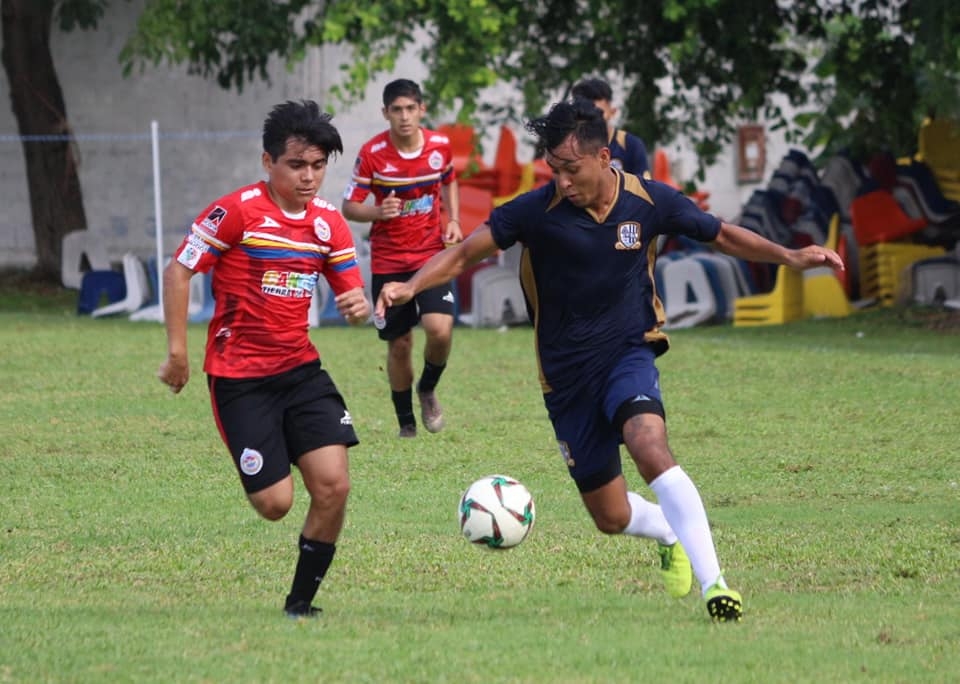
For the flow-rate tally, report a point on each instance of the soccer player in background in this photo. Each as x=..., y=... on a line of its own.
x=273, y=402
x=409, y=171
x=589, y=244
x=627, y=151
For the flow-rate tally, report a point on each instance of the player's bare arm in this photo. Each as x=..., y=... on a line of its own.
x=441, y=268
x=175, y=370
x=745, y=244
x=450, y=194
x=353, y=305
x=360, y=211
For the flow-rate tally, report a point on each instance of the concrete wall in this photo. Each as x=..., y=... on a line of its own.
x=210, y=140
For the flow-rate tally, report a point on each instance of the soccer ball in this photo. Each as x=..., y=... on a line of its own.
x=496, y=511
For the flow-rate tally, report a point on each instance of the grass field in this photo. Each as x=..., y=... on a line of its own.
x=826, y=453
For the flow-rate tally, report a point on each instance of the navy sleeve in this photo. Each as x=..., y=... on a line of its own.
x=508, y=221
x=680, y=216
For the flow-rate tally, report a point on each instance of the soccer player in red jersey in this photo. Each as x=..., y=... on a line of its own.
x=409, y=170
x=273, y=403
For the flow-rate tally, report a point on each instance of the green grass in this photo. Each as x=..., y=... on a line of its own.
x=828, y=462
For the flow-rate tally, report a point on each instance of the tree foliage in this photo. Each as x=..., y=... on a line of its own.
x=861, y=73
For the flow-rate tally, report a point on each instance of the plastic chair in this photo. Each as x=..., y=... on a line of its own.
x=781, y=305
x=81, y=251
x=877, y=217
x=136, y=285
x=97, y=286
x=689, y=298
x=823, y=295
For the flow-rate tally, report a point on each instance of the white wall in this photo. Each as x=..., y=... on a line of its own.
x=210, y=143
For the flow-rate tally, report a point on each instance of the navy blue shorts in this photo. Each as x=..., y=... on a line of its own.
x=402, y=319
x=268, y=423
x=588, y=422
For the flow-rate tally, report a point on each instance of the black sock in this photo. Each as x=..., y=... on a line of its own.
x=315, y=558
x=403, y=405
x=430, y=376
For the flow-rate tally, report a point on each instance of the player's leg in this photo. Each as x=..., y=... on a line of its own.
x=250, y=420
x=640, y=416
x=590, y=447
x=436, y=306
x=397, y=333
x=319, y=427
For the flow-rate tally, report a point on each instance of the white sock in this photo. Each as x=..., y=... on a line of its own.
x=683, y=510
x=646, y=520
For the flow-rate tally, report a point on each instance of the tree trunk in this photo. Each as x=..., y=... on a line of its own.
x=56, y=203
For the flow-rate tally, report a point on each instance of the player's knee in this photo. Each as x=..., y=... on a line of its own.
x=332, y=493
x=610, y=523
x=273, y=506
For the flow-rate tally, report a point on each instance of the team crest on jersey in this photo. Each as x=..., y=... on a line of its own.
x=213, y=220
x=322, y=229
x=629, y=236
x=435, y=160
x=565, y=453
x=251, y=461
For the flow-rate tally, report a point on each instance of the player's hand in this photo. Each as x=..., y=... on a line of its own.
x=392, y=294
x=812, y=256
x=390, y=207
x=453, y=234
x=353, y=305
x=174, y=373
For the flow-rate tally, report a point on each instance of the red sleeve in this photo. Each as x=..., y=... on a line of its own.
x=218, y=228
x=361, y=181
x=341, y=268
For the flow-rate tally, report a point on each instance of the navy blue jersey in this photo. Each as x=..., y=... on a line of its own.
x=588, y=280
x=628, y=153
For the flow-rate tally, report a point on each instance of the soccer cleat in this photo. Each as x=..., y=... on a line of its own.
x=301, y=609
x=723, y=604
x=407, y=431
x=430, y=411
x=675, y=569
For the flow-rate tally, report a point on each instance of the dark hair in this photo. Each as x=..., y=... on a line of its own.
x=580, y=118
x=402, y=87
x=301, y=120
x=592, y=89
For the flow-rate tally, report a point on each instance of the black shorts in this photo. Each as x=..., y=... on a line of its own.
x=268, y=423
x=401, y=319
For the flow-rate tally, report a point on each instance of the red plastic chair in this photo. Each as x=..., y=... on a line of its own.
x=877, y=217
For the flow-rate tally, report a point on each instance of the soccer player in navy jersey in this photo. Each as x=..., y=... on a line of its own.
x=627, y=151
x=589, y=244
x=408, y=169
x=273, y=403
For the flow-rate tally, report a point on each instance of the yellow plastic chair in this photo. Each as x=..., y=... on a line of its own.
x=781, y=305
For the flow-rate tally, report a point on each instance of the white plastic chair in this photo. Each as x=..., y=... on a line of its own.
x=138, y=288
x=79, y=246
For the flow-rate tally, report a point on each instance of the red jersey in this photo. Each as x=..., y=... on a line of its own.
x=266, y=267
x=406, y=242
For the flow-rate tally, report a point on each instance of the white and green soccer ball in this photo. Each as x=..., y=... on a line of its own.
x=497, y=512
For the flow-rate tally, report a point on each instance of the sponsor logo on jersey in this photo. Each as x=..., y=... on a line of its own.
x=565, y=453
x=435, y=160
x=346, y=419
x=251, y=461
x=213, y=220
x=323, y=204
x=421, y=205
x=268, y=223
x=389, y=168
x=288, y=284
x=190, y=254
x=629, y=236
x=250, y=194
x=322, y=229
